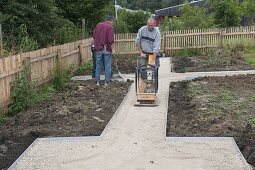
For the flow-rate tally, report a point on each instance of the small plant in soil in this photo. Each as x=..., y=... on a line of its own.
x=215, y=111
x=252, y=99
x=61, y=76
x=87, y=65
x=22, y=90
x=3, y=119
x=25, y=94
x=212, y=57
x=251, y=120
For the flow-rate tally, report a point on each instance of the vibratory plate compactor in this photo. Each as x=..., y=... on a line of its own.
x=146, y=81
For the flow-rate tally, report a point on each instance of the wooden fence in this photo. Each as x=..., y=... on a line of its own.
x=204, y=39
x=42, y=61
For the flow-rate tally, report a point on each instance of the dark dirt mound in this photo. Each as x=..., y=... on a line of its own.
x=82, y=109
x=215, y=107
x=126, y=65
x=181, y=64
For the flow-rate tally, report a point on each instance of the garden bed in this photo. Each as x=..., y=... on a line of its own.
x=215, y=107
x=193, y=61
x=125, y=64
x=82, y=109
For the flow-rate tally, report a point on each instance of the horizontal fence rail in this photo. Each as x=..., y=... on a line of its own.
x=42, y=62
x=172, y=41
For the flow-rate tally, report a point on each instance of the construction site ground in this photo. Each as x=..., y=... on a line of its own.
x=135, y=138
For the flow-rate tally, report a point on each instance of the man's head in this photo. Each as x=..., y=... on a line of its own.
x=110, y=19
x=151, y=24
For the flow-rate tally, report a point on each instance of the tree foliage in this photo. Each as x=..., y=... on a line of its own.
x=191, y=18
x=148, y=5
x=195, y=17
x=227, y=13
x=31, y=24
x=38, y=19
x=248, y=10
x=93, y=11
x=131, y=21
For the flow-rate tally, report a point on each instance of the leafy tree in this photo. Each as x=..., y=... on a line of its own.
x=148, y=5
x=39, y=19
x=136, y=20
x=227, y=13
x=176, y=24
x=93, y=11
x=27, y=43
x=248, y=8
x=132, y=20
x=167, y=3
x=191, y=18
x=121, y=26
x=165, y=26
x=195, y=17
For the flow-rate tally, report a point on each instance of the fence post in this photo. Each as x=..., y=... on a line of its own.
x=221, y=38
x=164, y=43
x=27, y=65
x=1, y=41
x=58, y=57
x=83, y=29
x=81, y=55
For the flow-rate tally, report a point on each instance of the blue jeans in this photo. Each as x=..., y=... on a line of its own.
x=106, y=57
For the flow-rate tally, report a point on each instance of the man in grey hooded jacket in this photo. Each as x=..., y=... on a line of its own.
x=148, y=42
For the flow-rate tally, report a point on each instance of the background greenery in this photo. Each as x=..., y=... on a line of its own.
x=32, y=24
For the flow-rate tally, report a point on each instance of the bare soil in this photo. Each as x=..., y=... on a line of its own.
x=82, y=109
x=205, y=63
x=125, y=64
x=215, y=107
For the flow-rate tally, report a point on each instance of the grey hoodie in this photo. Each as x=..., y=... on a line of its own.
x=149, y=40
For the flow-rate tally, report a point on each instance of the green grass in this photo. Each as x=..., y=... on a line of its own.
x=195, y=89
x=250, y=56
x=251, y=120
x=215, y=111
x=227, y=96
x=212, y=58
x=252, y=99
x=250, y=60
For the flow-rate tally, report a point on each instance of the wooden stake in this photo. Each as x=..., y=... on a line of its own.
x=1, y=42
x=83, y=29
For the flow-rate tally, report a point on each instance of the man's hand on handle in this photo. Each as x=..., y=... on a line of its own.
x=142, y=55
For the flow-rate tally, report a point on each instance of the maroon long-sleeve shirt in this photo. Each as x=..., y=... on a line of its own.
x=103, y=36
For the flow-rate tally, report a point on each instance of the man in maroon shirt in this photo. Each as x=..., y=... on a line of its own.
x=103, y=40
